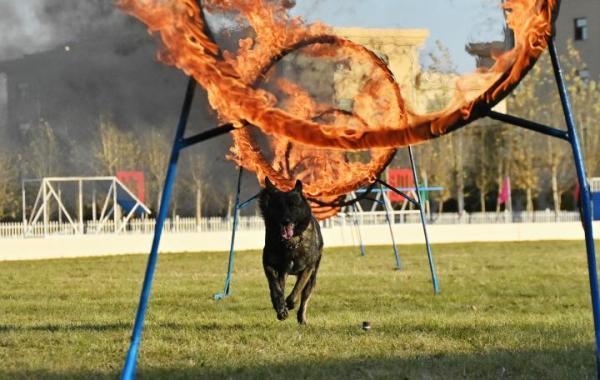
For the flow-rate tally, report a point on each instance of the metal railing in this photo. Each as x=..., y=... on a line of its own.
x=213, y=224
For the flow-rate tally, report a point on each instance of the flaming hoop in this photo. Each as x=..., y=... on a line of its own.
x=307, y=139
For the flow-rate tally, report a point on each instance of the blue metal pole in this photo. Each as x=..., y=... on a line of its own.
x=434, y=278
x=131, y=360
x=586, y=204
x=363, y=251
x=236, y=210
x=389, y=221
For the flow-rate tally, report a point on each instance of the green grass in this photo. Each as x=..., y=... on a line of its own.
x=507, y=310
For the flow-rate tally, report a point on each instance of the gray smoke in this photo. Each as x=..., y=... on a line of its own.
x=31, y=26
x=69, y=61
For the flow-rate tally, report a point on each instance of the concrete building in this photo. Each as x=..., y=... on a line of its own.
x=399, y=48
x=579, y=21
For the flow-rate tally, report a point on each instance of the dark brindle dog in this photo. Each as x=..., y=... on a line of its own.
x=293, y=245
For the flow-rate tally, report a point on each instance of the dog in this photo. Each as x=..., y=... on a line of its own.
x=293, y=246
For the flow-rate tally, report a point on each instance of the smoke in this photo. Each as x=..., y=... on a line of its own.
x=31, y=26
x=68, y=62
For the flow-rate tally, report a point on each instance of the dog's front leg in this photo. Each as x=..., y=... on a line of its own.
x=277, y=289
x=303, y=278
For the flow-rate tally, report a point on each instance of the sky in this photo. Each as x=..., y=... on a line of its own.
x=453, y=22
x=30, y=26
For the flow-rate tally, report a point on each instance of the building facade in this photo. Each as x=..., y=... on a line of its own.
x=579, y=21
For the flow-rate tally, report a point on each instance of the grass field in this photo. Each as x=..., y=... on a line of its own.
x=507, y=310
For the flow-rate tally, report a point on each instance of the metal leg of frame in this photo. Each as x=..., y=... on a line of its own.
x=236, y=211
x=434, y=278
x=586, y=205
x=363, y=251
x=131, y=360
x=389, y=221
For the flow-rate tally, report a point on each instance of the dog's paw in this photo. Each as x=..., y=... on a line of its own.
x=301, y=317
x=282, y=314
x=290, y=304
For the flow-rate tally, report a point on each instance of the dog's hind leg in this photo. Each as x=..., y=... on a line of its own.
x=301, y=282
x=277, y=287
x=306, y=293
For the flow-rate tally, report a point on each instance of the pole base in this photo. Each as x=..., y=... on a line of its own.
x=220, y=296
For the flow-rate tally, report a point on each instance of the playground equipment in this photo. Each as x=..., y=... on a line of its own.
x=111, y=191
x=233, y=91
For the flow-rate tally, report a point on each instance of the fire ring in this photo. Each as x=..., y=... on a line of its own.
x=327, y=196
x=188, y=44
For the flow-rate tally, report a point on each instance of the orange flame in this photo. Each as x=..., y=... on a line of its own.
x=308, y=138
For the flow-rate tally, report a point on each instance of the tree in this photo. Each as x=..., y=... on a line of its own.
x=118, y=150
x=449, y=173
x=155, y=160
x=9, y=202
x=486, y=159
x=43, y=154
x=536, y=99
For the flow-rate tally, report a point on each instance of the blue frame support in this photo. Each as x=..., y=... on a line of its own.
x=384, y=203
x=236, y=211
x=363, y=251
x=571, y=136
x=434, y=278
x=586, y=204
x=179, y=143
x=238, y=206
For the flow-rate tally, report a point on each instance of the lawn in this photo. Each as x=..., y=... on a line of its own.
x=507, y=310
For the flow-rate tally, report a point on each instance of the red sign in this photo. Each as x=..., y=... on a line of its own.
x=134, y=181
x=399, y=178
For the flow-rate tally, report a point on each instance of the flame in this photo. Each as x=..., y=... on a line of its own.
x=310, y=139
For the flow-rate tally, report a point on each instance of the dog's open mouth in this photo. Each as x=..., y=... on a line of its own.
x=287, y=231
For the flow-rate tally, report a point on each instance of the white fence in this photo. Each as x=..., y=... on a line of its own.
x=219, y=224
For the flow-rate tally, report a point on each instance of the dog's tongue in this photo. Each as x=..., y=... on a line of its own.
x=287, y=231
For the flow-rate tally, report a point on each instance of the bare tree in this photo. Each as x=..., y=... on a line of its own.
x=42, y=157
x=155, y=160
x=117, y=150
x=9, y=202
x=536, y=99
x=485, y=141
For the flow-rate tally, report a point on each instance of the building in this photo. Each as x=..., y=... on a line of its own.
x=579, y=21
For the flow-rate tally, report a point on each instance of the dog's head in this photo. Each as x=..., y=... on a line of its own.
x=287, y=212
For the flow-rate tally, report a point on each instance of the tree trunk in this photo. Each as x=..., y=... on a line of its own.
x=198, y=205
x=529, y=199
x=230, y=207
x=499, y=189
x=555, y=193
x=482, y=195
x=460, y=182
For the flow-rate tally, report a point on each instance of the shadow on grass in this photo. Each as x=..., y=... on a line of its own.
x=51, y=327
x=571, y=362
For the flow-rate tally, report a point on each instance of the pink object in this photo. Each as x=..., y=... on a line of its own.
x=504, y=195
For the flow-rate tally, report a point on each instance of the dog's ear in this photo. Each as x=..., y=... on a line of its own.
x=269, y=185
x=298, y=186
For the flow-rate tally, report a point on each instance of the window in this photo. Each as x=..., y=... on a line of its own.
x=584, y=74
x=581, y=29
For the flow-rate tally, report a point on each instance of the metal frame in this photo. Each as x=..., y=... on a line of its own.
x=236, y=213
x=384, y=202
x=48, y=193
x=570, y=135
x=181, y=142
